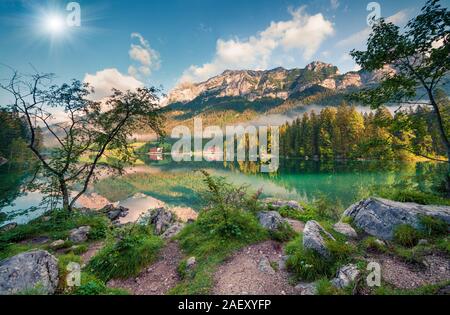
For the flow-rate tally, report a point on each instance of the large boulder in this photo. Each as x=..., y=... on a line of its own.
x=270, y=220
x=345, y=276
x=34, y=270
x=345, y=229
x=379, y=217
x=315, y=237
x=162, y=220
x=79, y=235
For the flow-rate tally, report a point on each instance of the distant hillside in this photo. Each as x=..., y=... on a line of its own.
x=242, y=95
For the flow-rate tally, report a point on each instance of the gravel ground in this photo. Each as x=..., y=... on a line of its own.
x=249, y=272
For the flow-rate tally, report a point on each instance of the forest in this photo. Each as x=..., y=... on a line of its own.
x=344, y=133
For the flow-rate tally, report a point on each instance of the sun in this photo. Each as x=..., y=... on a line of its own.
x=54, y=24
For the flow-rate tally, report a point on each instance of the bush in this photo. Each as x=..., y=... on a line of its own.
x=306, y=264
x=372, y=244
x=406, y=235
x=433, y=226
x=283, y=234
x=134, y=248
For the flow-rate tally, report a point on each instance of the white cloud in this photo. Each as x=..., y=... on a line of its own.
x=105, y=80
x=334, y=4
x=301, y=36
x=147, y=58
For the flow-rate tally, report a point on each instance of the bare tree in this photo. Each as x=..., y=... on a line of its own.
x=87, y=132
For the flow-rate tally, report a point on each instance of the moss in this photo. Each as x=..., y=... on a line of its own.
x=126, y=254
x=406, y=235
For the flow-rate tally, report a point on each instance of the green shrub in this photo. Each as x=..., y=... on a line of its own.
x=406, y=235
x=340, y=251
x=97, y=287
x=434, y=226
x=372, y=244
x=125, y=257
x=306, y=264
x=405, y=195
x=283, y=234
x=324, y=287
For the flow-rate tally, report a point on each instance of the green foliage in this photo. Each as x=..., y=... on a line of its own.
x=406, y=235
x=283, y=234
x=372, y=244
x=56, y=225
x=433, y=289
x=126, y=254
x=220, y=229
x=434, y=226
x=324, y=287
x=408, y=195
x=97, y=287
x=306, y=264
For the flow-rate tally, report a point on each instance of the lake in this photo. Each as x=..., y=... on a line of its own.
x=178, y=183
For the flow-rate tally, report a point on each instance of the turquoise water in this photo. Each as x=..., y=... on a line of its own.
x=341, y=182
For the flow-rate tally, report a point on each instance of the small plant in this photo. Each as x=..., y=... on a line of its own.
x=283, y=234
x=373, y=244
x=406, y=235
x=433, y=226
x=125, y=256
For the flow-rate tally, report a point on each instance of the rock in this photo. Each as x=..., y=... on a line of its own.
x=3, y=161
x=270, y=220
x=31, y=270
x=444, y=291
x=379, y=217
x=172, y=231
x=190, y=263
x=162, y=220
x=306, y=288
x=282, y=262
x=345, y=229
x=57, y=244
x=277, y=204
x=314, y=238
x=423, y=242
x=264, y=266
x=345, y=276
x=380, y=242
x=115, y=213
x=80, y=234
x=8, y=227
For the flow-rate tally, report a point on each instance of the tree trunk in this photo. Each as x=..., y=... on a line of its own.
x=65, y=194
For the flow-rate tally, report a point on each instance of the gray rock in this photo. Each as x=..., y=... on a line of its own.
x=57, y=244
x=423, y=242
x=115, y=213
x=282, y=262
x=80, y=234
x=8, y=227
x=306, y=288
x=314, y=237
x=264, y=266
x=36, y=270
x=277, y=204
x=379, y=217
x=345, y=276
x=270, y=220
x=190, y=263
x=345, y=229
x=172, y=231
x=3, y=161
x=162, y=220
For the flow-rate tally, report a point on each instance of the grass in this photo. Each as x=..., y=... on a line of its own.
x=386, y=289
x=125, y=254
x=415, y=196
x=406, y=235
x=54, y=225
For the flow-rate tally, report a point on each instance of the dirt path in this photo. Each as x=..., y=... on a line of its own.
x=254, y=271
x=93, y=249
x=156, y=279
x=408, y=276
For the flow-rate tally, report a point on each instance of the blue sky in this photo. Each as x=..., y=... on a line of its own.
x=167, y=42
